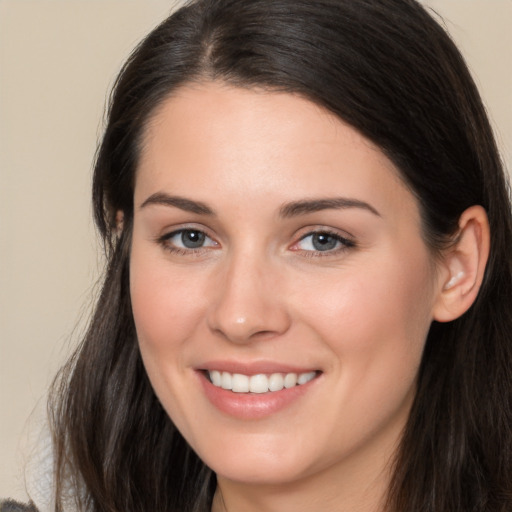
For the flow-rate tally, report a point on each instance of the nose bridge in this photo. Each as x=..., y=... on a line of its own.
x=249, y=301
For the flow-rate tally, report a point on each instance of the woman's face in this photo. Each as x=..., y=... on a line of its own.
x=276, y=248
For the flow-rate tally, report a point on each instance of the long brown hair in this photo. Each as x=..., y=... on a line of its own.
x=389, y=70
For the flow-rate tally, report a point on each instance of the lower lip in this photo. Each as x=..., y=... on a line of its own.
x=251, y=406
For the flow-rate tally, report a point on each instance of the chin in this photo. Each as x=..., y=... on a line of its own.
x=263, y=464
x=258, y=472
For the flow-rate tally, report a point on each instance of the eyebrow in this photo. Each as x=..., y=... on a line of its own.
x=288, y=210
x=303, y=207
x=188, y=205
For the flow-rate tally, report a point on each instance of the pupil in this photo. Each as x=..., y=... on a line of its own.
x=323, y=242
x=192, y=239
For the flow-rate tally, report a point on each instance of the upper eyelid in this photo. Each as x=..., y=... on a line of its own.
x=311, y=230
x=325, y=232
x=170, y=231
x=346, y=240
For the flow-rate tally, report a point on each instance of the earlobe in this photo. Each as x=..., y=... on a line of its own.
x=463, y=266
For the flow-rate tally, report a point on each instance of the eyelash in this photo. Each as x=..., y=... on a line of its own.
x=165, y=242
x=343, y=244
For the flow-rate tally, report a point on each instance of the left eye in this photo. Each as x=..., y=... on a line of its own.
x=322, y=242
x=189, y=239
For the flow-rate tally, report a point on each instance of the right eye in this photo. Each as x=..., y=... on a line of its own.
x=184, y=240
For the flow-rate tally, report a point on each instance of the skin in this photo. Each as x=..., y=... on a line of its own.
x=259, y=291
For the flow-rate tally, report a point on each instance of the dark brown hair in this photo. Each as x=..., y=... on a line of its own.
x=390, y=71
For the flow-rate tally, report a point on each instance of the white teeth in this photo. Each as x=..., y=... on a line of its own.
x=259, y=383
x=226, y=381
x=290, y=380
x=216, y=378
x=305, y=377
x=276, y=382
x=240, y=383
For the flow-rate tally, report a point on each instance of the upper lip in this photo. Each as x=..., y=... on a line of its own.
x=254, y=367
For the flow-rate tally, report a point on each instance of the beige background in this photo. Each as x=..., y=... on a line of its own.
x=57, y=60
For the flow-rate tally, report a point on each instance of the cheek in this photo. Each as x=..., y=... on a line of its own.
x=391, y=295
x=375, y=320
x=167, y=310
x=166, y=304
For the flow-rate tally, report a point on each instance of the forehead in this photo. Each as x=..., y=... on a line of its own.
x=246, y=142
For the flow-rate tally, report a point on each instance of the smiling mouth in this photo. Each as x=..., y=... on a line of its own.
x=259, y=383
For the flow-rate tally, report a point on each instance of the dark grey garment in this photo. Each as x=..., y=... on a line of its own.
x=14, y=506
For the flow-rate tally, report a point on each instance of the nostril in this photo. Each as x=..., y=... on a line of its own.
x=263, y=334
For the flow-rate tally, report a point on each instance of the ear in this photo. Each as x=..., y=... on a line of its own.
x=119, y=222
x=463, y=265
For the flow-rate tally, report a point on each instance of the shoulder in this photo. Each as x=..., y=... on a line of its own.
x=14, y=506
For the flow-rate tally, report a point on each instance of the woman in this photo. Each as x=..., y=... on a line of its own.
x=307, y=302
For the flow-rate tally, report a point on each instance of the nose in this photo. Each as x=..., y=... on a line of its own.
x=250, y=302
